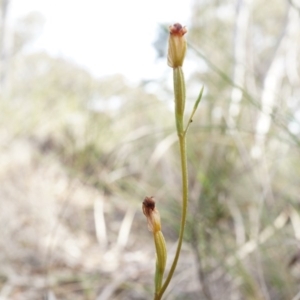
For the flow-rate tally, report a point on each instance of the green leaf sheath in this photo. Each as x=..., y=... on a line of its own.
x=198, y=100
x=161, y=259
x=194, y=109
x=179, y=93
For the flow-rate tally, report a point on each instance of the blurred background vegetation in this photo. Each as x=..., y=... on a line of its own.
x=79, y=154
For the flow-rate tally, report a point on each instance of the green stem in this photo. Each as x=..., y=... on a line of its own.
x=179, y=89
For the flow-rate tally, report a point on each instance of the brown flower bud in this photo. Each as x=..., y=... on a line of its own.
x=152, y=214
x=154, y=226
x=177, y=45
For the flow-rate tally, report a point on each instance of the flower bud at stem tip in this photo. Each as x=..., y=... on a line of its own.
x=177, y=45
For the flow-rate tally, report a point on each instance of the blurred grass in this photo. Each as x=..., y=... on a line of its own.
x=79, y=154
x=59, y=157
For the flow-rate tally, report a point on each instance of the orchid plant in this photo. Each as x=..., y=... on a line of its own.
x=176, y=54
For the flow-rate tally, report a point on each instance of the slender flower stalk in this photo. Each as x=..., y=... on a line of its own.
x=176, y=54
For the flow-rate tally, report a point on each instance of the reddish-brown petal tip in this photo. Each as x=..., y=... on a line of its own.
x=177, y=29
x=148, y=206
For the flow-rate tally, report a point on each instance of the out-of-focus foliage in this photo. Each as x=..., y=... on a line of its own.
x=79, y=154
